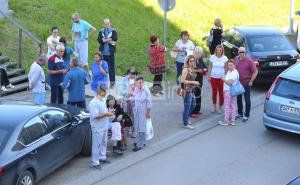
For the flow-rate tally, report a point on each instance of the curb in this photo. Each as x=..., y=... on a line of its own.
x=92, y=177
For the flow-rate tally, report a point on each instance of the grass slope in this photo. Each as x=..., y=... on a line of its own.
x=136, y=20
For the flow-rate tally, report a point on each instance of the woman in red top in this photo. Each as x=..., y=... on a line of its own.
x=157, y=65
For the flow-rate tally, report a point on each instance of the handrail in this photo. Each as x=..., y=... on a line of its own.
x=21, y=30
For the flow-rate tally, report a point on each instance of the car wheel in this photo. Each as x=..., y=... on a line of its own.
x=270, y=128
x=26, y=178
x=87, y=144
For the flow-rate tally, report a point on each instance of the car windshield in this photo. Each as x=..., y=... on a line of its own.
x=4, y=134
x=268, y=43
x=288, y=88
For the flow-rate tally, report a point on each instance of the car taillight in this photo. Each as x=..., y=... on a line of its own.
x=298, y=58
x=272, y=88
x=1, y=171
x=255, y=61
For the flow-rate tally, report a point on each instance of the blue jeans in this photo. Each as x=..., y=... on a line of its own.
x=39, y=98
x=179, y=66
x=189, y=105
x=247, y=101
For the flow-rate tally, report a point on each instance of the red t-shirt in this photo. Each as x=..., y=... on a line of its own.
x=245, y=68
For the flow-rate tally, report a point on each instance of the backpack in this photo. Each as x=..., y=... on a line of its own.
x=209, y=39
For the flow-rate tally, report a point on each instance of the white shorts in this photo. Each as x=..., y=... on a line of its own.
x=115, y=128
x=82, y=50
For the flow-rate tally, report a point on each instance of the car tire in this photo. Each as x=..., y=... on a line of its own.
x=87, y=144
x=270, y=128
x=26, y=178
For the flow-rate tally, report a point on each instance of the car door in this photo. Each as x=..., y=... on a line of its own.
x=40, y=146
x=66, y=129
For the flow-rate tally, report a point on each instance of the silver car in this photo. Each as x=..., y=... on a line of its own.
x=282, y=104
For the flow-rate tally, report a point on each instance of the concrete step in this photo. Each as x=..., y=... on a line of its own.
x=10, y=64
x=4, y=59
x=18, y=88
x=15, y=72
x=19, y=79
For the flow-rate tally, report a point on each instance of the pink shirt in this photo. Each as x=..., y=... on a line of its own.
x=245, y=68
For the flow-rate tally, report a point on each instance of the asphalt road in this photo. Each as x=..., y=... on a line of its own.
x=167, y=111
x=246, y=154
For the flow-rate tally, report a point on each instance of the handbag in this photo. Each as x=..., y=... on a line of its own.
x=237, y=88
x=149, y=130
x=173, y=54
x=209, y=39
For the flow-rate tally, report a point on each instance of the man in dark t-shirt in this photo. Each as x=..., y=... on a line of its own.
x=56, y=70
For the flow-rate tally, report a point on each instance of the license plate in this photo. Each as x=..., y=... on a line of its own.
x=291, y=110
x=278, y=63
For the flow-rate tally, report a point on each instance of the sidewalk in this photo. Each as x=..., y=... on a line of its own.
x=166, y=118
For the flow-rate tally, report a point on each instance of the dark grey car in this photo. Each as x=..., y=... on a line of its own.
x=35, y=140
x=268, y=48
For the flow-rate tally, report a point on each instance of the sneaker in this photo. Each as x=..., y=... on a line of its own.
x=136, y=148
x=223, y=123
x=214, y=110
x=220, y=111
x=188, y=127
x=245, y=119
x=95, y=167
x=3, y=88
x=104, y=161
x=156, y=94
x=194, y=116
x=238, y=116
x=189, y=123
x=232, y=123
x=11, y=86
x=123, y=148
x=117, y=150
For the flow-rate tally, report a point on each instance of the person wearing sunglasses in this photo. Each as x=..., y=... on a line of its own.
x=247, y=72
x=56, y=70
x=126, y=90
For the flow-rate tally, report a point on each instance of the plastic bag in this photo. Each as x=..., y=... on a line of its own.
x=149, y=130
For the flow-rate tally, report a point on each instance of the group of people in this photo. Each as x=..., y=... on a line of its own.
x=73, y=74
x=135, y=109
x=222, y=74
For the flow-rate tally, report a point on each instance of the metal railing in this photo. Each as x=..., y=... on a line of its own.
x=21, y=30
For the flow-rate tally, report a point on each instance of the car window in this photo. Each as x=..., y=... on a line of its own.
x=287, y=88
x=268, y=43
x=56, y=119
x=33, y=130
x=234, y=37
x=4, y=134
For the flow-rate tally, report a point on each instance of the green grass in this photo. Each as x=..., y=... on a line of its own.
x=135, y=21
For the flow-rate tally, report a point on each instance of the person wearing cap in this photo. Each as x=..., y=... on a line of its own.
x=157, y=65
x=36, y=78
x=56, y=70
x=75, y=81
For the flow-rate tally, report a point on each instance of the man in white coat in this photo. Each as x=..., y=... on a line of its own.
x=36, y=79
x=99, y=116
